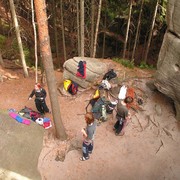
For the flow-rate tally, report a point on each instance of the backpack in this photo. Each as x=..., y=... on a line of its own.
x=73, y=88
x=67, y=84
x=99, y=109
x=110, y=107
x=105, y=84
x=109, y=75
x=29, y=113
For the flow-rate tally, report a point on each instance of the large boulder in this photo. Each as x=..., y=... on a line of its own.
x=173, y=14
x=95, y=70
x=20, y=147
x=168, y=66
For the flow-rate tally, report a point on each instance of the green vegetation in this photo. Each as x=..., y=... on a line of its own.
x=144, y=65
x=124, y=62
x=2, y=41
x=129, y=64
x=27, y=56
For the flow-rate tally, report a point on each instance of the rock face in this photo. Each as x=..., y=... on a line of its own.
x=95, y=69
x=168, y=67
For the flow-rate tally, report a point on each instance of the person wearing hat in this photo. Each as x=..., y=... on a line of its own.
x=40, y=95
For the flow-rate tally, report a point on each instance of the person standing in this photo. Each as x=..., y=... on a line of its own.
x=88, y=136
x=40, y=95
x=122, y=116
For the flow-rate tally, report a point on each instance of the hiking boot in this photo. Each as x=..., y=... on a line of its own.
x=83, y=158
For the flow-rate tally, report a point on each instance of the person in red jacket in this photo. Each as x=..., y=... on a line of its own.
x=40, y=95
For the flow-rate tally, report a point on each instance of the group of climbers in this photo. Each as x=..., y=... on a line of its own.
x=99, y=107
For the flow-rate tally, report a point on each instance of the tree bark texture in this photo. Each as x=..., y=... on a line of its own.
x=78, y=28
x=54, y=17
x=14, y=17
x=63, y=34
x=35, y=40
x=97, y=28
x=137, y=31
x=127, y=29
x=82, y=26
x=1, y=60
x=40, y=9
x=150, y=33
x=92, y=25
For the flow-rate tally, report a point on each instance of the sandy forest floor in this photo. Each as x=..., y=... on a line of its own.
x=148, y=150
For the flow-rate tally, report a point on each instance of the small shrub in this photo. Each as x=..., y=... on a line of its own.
x=124, y=62
x=144, y=65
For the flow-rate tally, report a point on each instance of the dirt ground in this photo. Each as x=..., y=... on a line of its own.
x=148, y=150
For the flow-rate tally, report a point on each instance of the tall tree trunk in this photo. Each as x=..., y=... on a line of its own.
x=82, y=26
x=35, y=41
x=54, y=16
x=127, y=29
x=78, y=29
x=44, y=40
x=150, y=33
x=12, y=7
x=104, y=35
x=137, y=31
x=92, y=25
x=63, y=34
x=97, y=28
x=1, y=60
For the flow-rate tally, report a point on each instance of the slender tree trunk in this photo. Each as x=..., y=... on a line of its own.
x=150, y=33
x=97, y=28
x=63, y=34
x=127, y=30
x=35, y=41
x=1, y=60
x=82, y=26
x=129, y=45
x=78, y=28
x=44, y=40
x=104, y=35
x=10, y=24
x=92, y=26
x=55, y=32
x=137, y=31
x=12, y=7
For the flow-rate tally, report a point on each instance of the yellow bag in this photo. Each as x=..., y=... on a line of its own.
x=96, y=94
x=67, y=84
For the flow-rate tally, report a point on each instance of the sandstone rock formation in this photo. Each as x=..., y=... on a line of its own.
x=168, y=67
x=95, y=69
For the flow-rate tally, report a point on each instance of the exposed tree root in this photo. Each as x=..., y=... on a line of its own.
x=139, y=123
x=162, y=144
x=168, y=133
x=152, y=121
